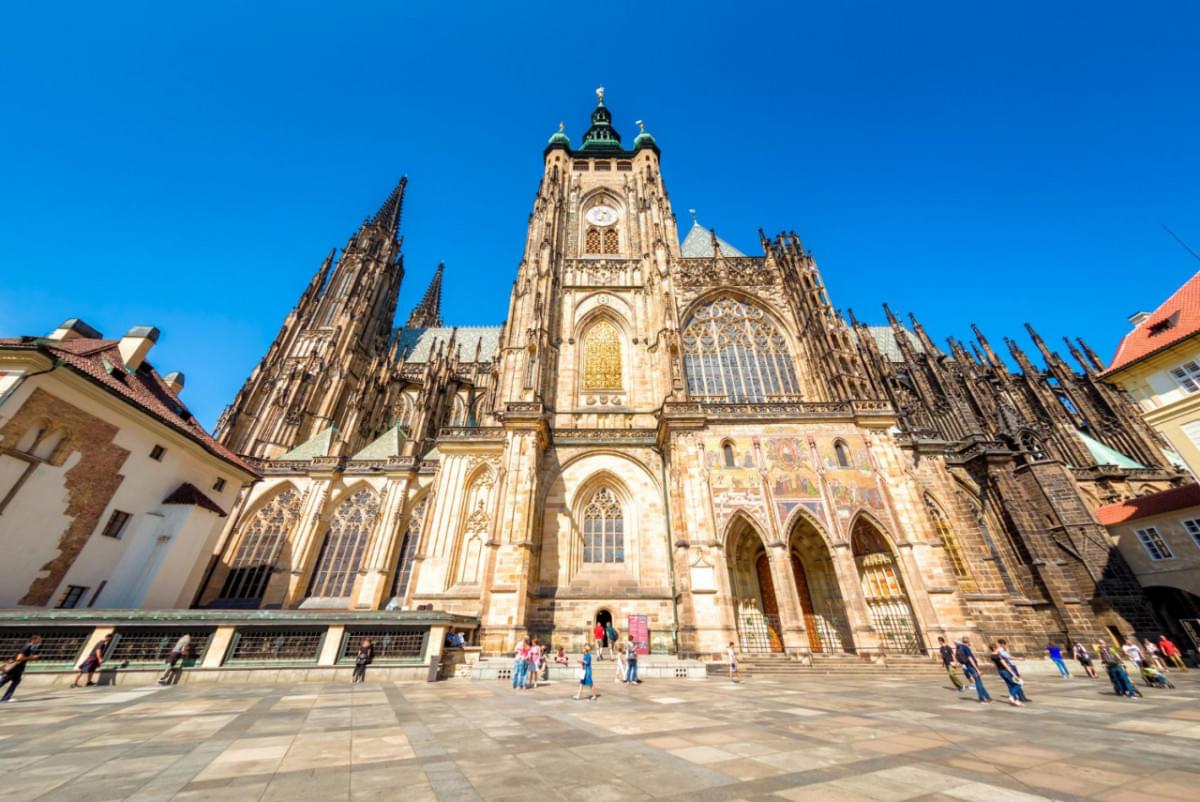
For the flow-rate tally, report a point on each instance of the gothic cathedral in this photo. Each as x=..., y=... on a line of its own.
x=673, y=430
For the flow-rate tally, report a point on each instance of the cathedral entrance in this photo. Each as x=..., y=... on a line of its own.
x=882, y=586
x=755, y=603
x=817, y=588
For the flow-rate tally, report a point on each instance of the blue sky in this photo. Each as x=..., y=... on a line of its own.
x=188, y=165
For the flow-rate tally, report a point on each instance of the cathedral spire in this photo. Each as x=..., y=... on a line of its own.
x=428, y=313
x=388, y=215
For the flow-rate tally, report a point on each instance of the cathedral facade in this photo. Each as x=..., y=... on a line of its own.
x=672, y=435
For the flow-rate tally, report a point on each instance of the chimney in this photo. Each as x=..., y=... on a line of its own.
x=136, y=343
x=74, y=329
x=174, y=381
x=1138, y=318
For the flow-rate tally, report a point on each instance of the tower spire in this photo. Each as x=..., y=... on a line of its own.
x=388, y=215
x=428, y=313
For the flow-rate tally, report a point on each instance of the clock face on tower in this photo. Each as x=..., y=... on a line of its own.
x=601, y=215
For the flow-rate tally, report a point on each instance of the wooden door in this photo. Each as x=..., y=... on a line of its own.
x=770, y=604
x=806, y=605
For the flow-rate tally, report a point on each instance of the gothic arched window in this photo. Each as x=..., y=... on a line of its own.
x=843, y=458
x=612, y=241
x=603, y=529
x=733, y=352
x=730, y=458
x=945, y=533
x=592, y=241
x=408, y=550
x=259, y=547
x=342, y=552
x=602, y=357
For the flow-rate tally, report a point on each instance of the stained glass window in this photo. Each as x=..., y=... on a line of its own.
x=603, y=529
x=602, y=357
x=593, y=240
x=612, y=242
x=258, y=549
x=733, y=352
x=342, y=552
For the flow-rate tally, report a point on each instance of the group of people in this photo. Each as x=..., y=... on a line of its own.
x=1150, y=659
x=532, y=660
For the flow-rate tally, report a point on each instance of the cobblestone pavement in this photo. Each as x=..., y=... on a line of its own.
x=770, y=739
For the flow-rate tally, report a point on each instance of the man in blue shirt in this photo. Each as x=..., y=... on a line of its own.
x=1056, y=657
x=966, y=658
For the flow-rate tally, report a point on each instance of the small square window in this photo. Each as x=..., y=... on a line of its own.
x=71, y=598
x=219, y=485
x=116, y=524
x=1153, y=543
x=157, y=452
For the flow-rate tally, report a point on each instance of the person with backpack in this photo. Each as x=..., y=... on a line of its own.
x=1084, y=657
x=966, y=659
x=92, y=662
x=14, y=669
x=948, y=662
x=610, y=632
x=1117, y=674
x=631, y=661
x=364, y=658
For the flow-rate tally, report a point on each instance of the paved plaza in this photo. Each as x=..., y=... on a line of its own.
x=868, y=738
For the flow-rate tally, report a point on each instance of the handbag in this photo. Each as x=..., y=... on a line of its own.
x=578, y=672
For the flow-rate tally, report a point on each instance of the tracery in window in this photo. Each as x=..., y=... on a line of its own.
x=612, y=242
x=602, y=357
x=408, y=549
x=945, y=533
x=733, y=352
x=592, y=241
x=342, y=552
x=259, y=547
x=603, y=529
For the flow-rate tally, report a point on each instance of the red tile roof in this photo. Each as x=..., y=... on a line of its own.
x=1181, y=313
x=1145, y=506
x=100, y=361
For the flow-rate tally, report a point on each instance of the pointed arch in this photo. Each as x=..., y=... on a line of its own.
x=728, y=454
x=735, y=351
x=345, y=542
x=755, y=597
x=409, y=544
x=260, y=540
x=883, y=586
x=817, y=587
x=841, y=453
x=458, y=411
x=950, y=543
x=477, y=524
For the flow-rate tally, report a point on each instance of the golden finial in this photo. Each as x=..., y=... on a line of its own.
x=600, y=93
x=641, y=126
x=560, y=126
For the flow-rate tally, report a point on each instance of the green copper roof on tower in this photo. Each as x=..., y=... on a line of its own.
x=601, y=136
x=559, y=137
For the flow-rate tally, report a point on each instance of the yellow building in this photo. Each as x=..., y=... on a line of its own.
x=1158, y=363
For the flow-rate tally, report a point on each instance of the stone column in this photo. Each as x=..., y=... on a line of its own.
x=850, y=586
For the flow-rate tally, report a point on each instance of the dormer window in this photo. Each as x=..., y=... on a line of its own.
x=1159, y=326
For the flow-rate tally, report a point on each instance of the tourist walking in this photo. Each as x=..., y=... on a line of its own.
x=610, y=632
x=180, y=650
x=631, y=663
x=521, y=665
x=1116, y=673
x=948, y=662
x=1056, y=657
x=92, y=662
x=366, y=654
x=585, y=680
x=1006, y=670
x=619, y=662
x=1007, y=656
x=601, y=639
x=12, y=671
x=1084, y=658
x=1171, y=652
x=731, y=657
x=1134, y=652
x=966, y=658
x=1152, y=655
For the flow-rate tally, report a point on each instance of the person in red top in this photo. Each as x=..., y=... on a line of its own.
x=601, y=639
x=1171, y=652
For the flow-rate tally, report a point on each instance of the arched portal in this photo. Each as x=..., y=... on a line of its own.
x=883, y=589
x=755, y=603
x=817, y=587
